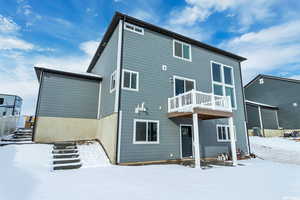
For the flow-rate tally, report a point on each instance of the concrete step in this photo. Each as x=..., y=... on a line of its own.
x=58, y=156
x=70, y=147
x=64, y=144
x=64, y=151
x=16, y=139
x=67, y=166
x=66, y=161
x=22, y=137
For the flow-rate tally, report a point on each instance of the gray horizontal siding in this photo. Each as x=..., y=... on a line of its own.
x=253, y=116
x=269, y=118
x=278, y=93
x=66, y=96
x=105, y=66
x=146, y=54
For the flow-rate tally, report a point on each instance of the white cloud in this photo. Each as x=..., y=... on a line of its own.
x=269, y=49
x=7, y=25
x=11, y=42
x=199, y=10
x=18, y=77
x=89, y=47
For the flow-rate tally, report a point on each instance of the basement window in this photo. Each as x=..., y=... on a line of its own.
x=223, y=133
x=146, y=131
x=1, y=101
x=133, y=28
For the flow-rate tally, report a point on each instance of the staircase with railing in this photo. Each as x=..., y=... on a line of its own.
x=188, y=101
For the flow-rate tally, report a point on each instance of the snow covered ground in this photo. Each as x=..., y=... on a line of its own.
x=276, y=149
x=26, y=174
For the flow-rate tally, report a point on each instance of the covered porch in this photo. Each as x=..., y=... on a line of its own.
x=203, y=106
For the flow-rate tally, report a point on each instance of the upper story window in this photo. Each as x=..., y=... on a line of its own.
x=133, y=28
x=182, y=50
x=223, y=133
x=261, y=81
x=223, y=81
x=130, y=80
x=1, y=101
x=113, y=81
x=182, y=85
x=146, y=131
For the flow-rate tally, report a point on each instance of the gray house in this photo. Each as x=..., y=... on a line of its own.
x=273, y=104
x=149, y=95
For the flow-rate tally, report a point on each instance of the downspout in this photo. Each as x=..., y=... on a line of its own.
x=120, y=89
x=37, y=104
x=245, y=109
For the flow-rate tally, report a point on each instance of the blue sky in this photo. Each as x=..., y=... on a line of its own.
x=65, y=34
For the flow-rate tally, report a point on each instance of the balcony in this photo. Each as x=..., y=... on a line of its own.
x=206, y=105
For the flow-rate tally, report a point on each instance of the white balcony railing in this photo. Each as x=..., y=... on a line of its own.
x=187, y=101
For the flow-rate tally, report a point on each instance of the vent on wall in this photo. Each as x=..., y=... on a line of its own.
x=261, y=81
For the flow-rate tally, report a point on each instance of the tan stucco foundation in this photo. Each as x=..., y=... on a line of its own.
x=58, y=129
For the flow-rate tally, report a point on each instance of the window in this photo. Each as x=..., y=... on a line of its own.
x=1, y=101
x=261, y=81
x=133, y=28
x=182, y=50
x=223, y=133
x=113, y=81
x=146, y=131
x=130, y=80
x=182, y=85
x=223, y=81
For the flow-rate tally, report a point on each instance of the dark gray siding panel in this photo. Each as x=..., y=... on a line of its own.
x=66, y=96
x=269, y=118
x=281, y=94
x=105, y=66
x=253, y=116
x=146, y=54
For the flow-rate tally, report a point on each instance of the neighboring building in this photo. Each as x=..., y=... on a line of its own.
x=273, y=103
x=10, y=105
x=10, y=109
x=147, y=94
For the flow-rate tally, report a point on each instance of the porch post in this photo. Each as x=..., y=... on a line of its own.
x=232, y=142
x=196, y=140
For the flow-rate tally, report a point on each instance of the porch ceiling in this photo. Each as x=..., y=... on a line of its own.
x=204, y=114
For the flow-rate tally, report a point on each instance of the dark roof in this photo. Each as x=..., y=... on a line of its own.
x=254, y=103
x=271, y=77
x=118, y=16
x=64, y=72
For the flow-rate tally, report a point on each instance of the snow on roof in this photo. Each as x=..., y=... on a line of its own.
x=260, y=104
x=57, y=70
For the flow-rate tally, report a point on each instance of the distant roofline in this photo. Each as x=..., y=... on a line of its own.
x=118, y=16
x=271, y=77
x=11, y=95
x=261, y=104
x=66, y=72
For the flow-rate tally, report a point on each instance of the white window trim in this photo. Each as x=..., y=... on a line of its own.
x=222, y=83
x=111, y=76
x=226, y=126
x=137, y=80
x=182, y=58
x=182, y=78
x=134, y=27
x=134, y=131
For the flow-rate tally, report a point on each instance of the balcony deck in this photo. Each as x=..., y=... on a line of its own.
x=206, y=105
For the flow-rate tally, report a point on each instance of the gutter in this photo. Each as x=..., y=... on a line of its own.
x=120, y=89
x=245, y=109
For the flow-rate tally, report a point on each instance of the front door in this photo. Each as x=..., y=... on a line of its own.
x=186, y=141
